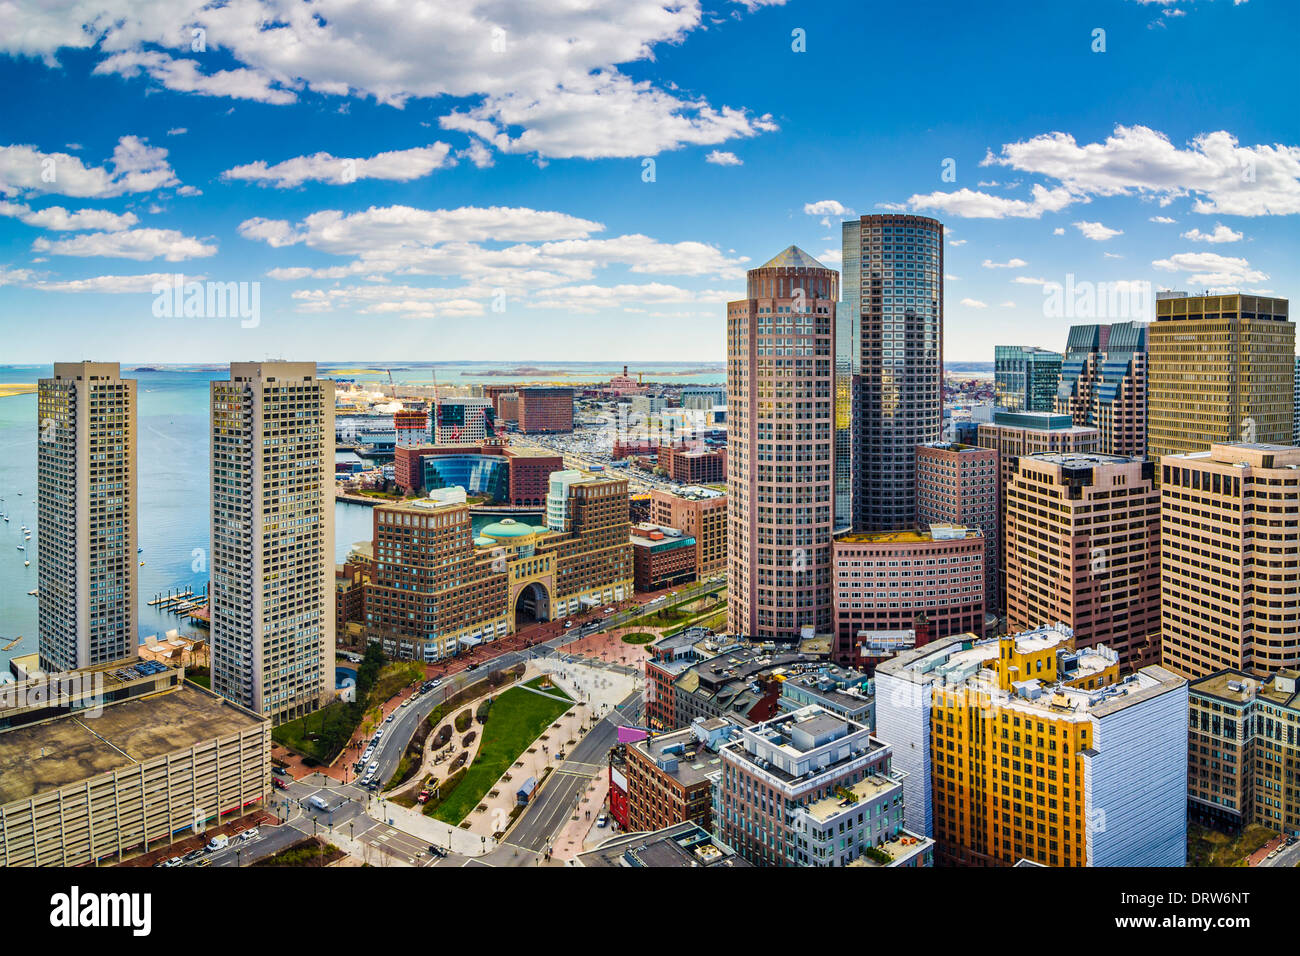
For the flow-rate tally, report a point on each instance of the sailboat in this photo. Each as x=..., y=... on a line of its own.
x=27, y=564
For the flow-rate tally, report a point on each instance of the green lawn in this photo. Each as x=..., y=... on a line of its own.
x=518, y=718
x=1208, y=847
x=640, y=637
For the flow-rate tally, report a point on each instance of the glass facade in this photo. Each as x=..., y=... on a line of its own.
x=486, y=475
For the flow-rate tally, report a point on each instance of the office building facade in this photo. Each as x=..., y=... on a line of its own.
x=780, y=382
x=1222, y=370
x=1229, y=553
x=87, y=516
x=272, y=558
x=1025, y=378
x=1104, y=384
x=958, y=484
x=893, y=293
x=1083, y=549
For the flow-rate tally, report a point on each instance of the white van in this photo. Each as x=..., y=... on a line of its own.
x=218, y=843
x=320, y=803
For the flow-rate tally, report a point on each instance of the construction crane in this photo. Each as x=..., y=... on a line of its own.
x=391, y=385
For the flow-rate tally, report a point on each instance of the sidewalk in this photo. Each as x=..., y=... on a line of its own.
x=434, y=831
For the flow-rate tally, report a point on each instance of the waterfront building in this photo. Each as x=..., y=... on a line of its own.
x=808, y=788
x=437, y=589
x=667, y=777
x=957, y=484
x=895, y=580
x=694, y=466
x=1104, y=384
x=1244, y=751
x=272, y=556
x=1229, y=553
x=1083, y=549
x=892, y=371
x=1222, y=369
x=780, y=343
x=1025, y=378
x=1023, y=747
x=493, y=470
x=87, y=518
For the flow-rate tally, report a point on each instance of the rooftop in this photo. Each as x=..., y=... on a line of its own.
x=869, y=788
x=680, y=845
x=936, y=532
x=37, y=758
x=792, y=257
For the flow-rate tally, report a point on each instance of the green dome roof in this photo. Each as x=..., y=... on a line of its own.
x=508, y=528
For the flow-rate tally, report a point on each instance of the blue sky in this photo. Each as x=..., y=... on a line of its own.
x=468, y=179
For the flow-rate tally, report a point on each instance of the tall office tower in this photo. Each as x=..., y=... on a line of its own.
x=1025, y=747
x=893, y=292
x=1025, y=378
x=1230, y=595
x=958, y=484
x=1295, y=391
x=1083, y=550
x=272, y=563
x=1104, y=384
x=780, y=448
x=86, y=516
x=1013, y=434
x=1222, y=370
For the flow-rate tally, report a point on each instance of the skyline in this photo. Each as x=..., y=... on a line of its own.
x=432, y=192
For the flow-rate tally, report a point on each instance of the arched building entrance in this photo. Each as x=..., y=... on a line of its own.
x=532, y=604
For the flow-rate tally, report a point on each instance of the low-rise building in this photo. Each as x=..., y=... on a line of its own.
x=694, y=466
x=1244, y=751
x=809, y=788
x=891, y=580
x=142, y=770
x=661, y=557
x=701, y=513
x=683, y=844
x=668, y=776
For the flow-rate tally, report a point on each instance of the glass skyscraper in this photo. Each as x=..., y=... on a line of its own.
x=1025, y=378
x=891, y=351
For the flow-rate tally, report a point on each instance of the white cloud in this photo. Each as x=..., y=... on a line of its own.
x=827, y=207
x=1161, y=219
x=184, y=76
x=974, y=304
x=1096, y=231
x=112, y=284
x=722, y=158
x=12, y=276
x=1012, y=263
x=397, y=165
x=138, y=244
x=1221, y=233
x=1222, y=175
x=1006, y=305
x=546, y=77
x=177, y=131
x=1058, y=231
x=1031, y=280
x=136, y=167
x=1211, y=269
x=61, y=220
x=970, y=204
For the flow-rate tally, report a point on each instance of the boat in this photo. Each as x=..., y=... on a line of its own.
x=32, y=592
x=14, y=643
x=138, y=550
x=22, y=547
x=27, y=564
x=142, y=564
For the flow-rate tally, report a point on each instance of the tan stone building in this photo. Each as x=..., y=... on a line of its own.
x=1221, y=369
x=87, y=512
x=1230, y=559
x=702, y=514
x=272, y=586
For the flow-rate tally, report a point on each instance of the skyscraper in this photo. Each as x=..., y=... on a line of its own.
x=893, y=293
x=1222, y=369
x=86, y=516
x=1083, y=550
x=1228, y=542
x=780, y=409
x=1025, y=377
x=1103, y=383
x=272, y=562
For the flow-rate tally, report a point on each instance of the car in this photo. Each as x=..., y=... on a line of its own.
x=568, y=624
x=174, y=861
x=609, y=610
x=406, y=703
x=602, y=821
x=279, y=784
x=437, y=851
x=192, y=856
x=203, y=862
x=389, y=718
x=374, y=765
x=423, y=797
x=250, y=834
x=1273, y=854
x=281, y=771
x=436, y=682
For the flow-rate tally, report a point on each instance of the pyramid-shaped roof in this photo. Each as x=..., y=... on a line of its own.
x=792, y=257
